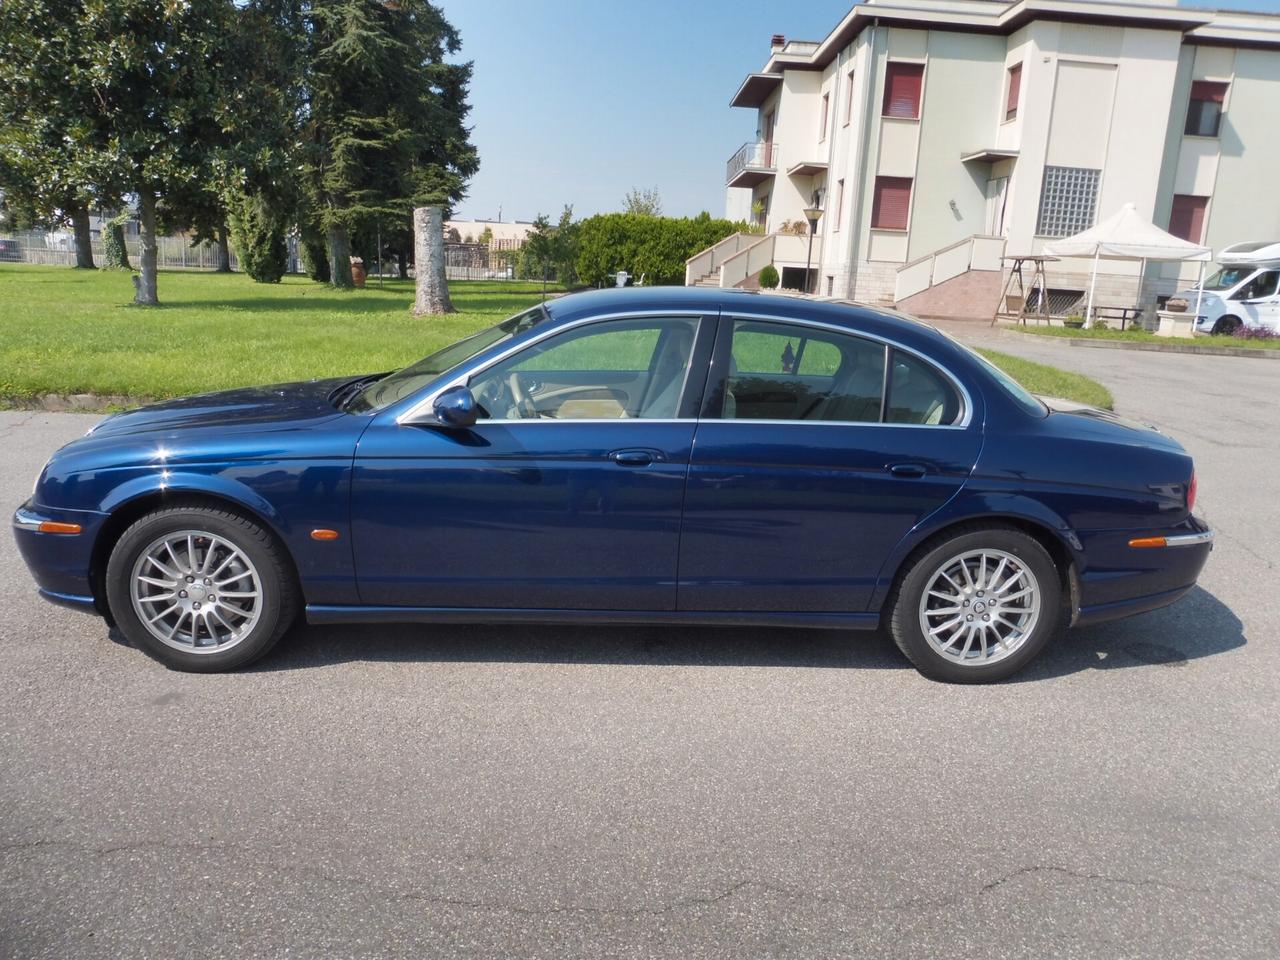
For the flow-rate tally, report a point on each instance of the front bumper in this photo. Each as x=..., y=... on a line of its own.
x=60, y=563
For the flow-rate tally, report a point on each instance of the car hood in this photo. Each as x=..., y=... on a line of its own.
x=244, y=408
x=1107, y=424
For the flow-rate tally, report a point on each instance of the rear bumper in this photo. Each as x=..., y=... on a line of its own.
x=1121, y=580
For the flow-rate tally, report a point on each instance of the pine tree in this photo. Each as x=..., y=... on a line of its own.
x=383, y=118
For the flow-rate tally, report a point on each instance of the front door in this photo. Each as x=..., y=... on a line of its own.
x=804, y=475
x=997, y=193
x=565, y=495
x=1259, y=302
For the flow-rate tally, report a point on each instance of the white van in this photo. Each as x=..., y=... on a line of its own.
x=1244, y=292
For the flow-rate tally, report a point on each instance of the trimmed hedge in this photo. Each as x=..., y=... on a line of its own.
x=258, y=233
x=655, y=247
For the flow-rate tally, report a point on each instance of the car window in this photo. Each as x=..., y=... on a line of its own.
x=919, y=394
x=613, y=370
x=784, y=372
x=1263, y=285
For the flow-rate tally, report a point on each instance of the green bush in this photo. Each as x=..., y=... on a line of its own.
x=258, y=233
x=653, y=247
x=115, y=254
x=315, y=257
x=769, y=277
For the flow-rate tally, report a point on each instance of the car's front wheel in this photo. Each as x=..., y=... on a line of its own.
x=1227, y=326
x=201, y=588
x=978, y=606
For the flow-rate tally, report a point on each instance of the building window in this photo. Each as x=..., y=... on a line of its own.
x=891, y=206
x=1068, y=201
x=902, y=85
x=1187, y=218
x=1015, y=88
x=1204, y=113
x=848, y=99
x=839, y=203
x=826, y=105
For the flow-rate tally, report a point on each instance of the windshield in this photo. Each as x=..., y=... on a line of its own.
x=407, y=381
x=1227, y=277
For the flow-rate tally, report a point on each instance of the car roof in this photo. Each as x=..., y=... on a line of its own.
x=885, y=323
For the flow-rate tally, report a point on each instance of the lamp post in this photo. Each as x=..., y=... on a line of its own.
x=812, y=214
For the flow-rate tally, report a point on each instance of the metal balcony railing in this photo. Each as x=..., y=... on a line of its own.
x=753, y=156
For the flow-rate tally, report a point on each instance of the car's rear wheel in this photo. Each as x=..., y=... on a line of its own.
x=978, y=606
x=200, y=588
x=1226, y=326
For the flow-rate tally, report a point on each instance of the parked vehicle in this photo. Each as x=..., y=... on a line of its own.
x=1244, y=292
x=647, y=455
x=9, y=250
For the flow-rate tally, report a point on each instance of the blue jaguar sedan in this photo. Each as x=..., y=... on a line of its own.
x=628, y=456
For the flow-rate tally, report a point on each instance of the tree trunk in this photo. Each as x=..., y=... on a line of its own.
x=84, y=240
x=402, y=264
x=340, y=259
x=222, y=251
x=428, y=255
x=144, y=285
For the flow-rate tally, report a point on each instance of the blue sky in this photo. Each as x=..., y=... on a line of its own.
x=578, y=101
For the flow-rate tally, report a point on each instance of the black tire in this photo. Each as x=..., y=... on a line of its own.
x=1226, y=326
x=921, y=569
x=280, y=597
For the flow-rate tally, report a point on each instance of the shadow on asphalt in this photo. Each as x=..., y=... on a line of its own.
x=1197, y=626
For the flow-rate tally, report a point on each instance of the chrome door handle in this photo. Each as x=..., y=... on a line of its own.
x=631, y=458
x=911, y=471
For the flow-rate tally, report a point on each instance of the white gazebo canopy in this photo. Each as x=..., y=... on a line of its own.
x=1126, y=235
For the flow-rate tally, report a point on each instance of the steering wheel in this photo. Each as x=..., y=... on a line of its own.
x=521, y=399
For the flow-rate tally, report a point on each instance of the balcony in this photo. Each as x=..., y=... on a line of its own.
x=752, y=164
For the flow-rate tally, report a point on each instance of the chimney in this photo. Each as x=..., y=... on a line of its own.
x=777, y=42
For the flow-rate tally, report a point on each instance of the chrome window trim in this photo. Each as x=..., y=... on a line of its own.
x=461, y=379
x=408, y=417
x=966, y=399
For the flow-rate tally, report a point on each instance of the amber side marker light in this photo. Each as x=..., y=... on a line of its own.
x=321, y=533
x=1147, y=542
x=52, y=526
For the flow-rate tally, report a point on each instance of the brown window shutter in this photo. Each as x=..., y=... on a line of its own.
x=1015, y=88
x=1209, y=91
x=892, y=203
x=902, y=85
x=1187, y=217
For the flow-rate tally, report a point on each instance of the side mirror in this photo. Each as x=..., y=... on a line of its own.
x=455, y=408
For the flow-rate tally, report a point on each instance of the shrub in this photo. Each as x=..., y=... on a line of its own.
x=115, y=254
x=769, y=277
x=315, y=257
x=258, y=233
x=1255, y=333
x=655, y=247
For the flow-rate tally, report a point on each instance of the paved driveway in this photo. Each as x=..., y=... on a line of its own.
x=505, y=792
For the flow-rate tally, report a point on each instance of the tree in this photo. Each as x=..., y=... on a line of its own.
x=383, y=117
x=539, y=247
x=643, y=203
x=259, y=232
x=432, y=285
x=40, y=116
x=564, y=255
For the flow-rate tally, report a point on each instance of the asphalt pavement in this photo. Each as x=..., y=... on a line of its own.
x=663, y=792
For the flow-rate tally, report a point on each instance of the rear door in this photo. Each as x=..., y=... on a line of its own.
x=817, y=452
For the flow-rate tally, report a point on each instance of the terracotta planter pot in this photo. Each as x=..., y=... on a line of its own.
x=357, y=274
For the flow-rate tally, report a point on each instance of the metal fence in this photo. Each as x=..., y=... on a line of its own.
x=463, y=261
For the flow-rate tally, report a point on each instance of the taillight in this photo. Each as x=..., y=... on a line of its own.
x=1191, y=492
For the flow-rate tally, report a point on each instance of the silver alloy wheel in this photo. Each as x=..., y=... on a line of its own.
x=196, y=592
x=980, y=607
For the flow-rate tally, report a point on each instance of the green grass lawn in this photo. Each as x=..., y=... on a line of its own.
x=68, y=331
x=1142, y=336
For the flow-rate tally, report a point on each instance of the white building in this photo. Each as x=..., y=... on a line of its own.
x=939, y=136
